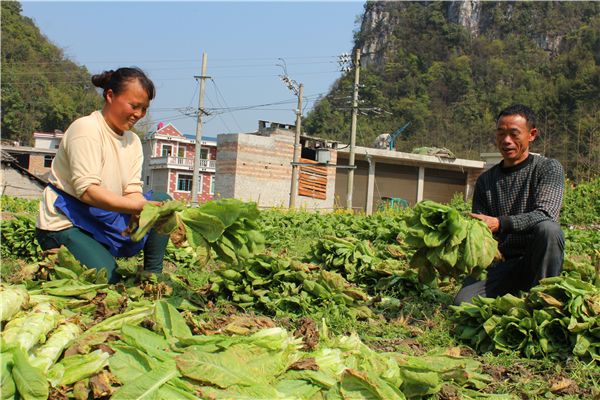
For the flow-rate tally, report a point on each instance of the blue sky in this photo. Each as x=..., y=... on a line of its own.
x=244, y=42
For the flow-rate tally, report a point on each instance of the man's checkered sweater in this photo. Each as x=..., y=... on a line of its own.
x=520, y=197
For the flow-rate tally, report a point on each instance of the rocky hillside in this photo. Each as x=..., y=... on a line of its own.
x=449, y=67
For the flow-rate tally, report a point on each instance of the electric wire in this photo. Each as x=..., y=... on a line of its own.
x=225, y=103
x=220, y=117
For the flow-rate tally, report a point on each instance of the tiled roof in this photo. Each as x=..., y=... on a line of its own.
x=169, y=130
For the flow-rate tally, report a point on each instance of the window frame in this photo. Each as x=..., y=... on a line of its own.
x=163, y=147
x=48, y=157
x=177, y=180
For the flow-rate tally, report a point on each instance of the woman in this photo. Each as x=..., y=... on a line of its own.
x=95, y=184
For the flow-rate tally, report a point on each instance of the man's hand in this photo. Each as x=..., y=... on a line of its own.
x=492, y=222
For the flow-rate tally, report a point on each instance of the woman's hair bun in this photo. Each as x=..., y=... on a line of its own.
x=116, y=80
x=101, y=80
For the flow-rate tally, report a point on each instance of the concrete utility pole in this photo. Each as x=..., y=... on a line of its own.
x=297, y=149
x=353, y=130
x=198, y=154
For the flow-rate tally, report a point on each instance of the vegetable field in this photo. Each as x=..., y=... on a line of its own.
x=275, y=304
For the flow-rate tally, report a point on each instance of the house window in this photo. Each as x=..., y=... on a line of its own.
x=200, y=181
x=204, y=154
x=147, y=180
x=212, y=185
x=184, y=183
x=181, y=151
x=167, y=150
x=48, y=161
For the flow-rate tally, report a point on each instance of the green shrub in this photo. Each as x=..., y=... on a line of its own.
x=581, y=204
x=18, y=205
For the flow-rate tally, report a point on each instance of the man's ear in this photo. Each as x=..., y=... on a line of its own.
x=533, y=133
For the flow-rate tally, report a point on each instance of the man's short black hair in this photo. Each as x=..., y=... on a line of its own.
x=522, y=110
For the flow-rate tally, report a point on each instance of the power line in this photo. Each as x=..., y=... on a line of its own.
x=194, y=61
x=245, y=66
x=157, y=79
x=220, y=117
x=224, y=102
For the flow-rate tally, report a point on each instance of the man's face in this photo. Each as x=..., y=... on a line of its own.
x=513, y=137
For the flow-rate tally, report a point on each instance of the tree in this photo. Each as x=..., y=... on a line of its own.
x=41, y=89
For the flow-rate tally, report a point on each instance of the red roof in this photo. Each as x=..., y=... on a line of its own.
x=169, y=130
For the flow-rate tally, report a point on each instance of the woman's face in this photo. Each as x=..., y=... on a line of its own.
x=123, y=110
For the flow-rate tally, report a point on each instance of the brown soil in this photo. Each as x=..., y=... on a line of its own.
x=5, y=216
x=392, y=345
x=235, y=324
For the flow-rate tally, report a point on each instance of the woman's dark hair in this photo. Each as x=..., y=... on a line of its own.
x=522, y=110
x=116, y=80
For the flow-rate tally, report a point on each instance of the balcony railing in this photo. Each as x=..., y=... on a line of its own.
x=184, y=162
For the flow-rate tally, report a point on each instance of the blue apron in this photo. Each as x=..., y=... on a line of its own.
x=104, y=226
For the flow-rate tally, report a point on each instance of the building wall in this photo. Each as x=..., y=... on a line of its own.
x=47, y=143
x=441, y=185
x=36, y=164
x=166, y=179
x=258, y=168
x=359, y=194
x=159, y=181
x=397, y=181
x=471, y=179
x=400, y=180
x=203, y=196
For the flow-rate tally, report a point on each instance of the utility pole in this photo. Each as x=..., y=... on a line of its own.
x=297, y=148
x=198, y=154
x=353, y=130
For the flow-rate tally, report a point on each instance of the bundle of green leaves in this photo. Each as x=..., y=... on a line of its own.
x=557, y=318
x=277, y=286
x=351, y=257
x=227, y=227
x=448, y=244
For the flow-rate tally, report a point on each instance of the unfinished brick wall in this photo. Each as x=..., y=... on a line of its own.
x=258, y=168
x=36, y=164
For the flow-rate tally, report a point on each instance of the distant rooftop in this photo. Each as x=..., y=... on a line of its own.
x=204, y=138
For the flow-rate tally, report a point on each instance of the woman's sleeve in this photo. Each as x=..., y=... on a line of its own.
x=84, y=150
x=135, y=183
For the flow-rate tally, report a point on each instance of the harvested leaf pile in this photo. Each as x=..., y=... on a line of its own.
x=353, y=258
x=558, y=318
x=60, y=339
x=277, y=286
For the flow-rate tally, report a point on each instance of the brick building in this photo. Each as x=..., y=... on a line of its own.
x=169, y=163
x=257, y=167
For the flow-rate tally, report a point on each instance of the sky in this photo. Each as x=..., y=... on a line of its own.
x=248, y=46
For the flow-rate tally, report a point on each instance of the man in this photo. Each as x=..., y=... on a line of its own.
x=519, y=199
